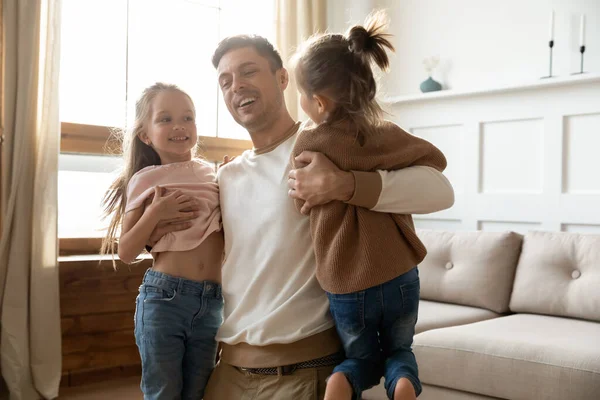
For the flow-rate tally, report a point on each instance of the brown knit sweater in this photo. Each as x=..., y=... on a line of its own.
x=357, y=248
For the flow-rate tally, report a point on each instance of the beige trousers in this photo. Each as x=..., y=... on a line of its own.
x=230, y=383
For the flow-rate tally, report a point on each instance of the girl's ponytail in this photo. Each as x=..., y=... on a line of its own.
x=370, y=41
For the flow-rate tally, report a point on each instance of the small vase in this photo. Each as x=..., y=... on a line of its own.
x=430, y=85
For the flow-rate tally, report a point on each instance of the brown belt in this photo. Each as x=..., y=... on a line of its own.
x=310, y=348
x=332, y=359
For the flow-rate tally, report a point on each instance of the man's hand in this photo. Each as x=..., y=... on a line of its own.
x=319, y=181
x=226, y=160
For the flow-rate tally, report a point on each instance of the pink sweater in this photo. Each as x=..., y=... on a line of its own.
x=194, y=178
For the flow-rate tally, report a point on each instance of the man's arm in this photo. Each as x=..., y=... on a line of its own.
x=411, y=190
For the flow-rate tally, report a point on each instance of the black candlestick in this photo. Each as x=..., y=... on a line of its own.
x=551, y=46
x=582, y=51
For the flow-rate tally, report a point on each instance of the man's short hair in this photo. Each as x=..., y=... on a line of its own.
x=259, y=43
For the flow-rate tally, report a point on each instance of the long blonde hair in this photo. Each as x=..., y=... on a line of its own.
x=137, y=155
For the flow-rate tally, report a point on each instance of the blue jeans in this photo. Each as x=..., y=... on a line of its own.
x=376, y=327
x=176, y=321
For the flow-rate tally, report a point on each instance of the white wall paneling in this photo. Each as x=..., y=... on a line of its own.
x=498, y=226
x=443, y=224
x=524, y=158
x=511, y=156
x=580, y=228
x=582, y=147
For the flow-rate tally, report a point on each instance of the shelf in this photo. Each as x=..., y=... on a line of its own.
x=452, y=94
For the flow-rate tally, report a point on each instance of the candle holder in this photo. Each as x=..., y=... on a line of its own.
x=551, y=46
x=582, y=51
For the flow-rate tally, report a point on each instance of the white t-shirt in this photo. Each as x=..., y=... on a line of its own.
x=269, y=284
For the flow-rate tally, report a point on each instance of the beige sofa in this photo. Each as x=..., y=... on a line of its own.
x=505, y=316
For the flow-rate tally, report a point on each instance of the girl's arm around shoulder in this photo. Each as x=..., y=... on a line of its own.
x=417, y=187
x=406, y=150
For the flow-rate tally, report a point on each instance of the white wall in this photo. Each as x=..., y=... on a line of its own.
x=481, y=43
x=520, y=159
x=343, y=13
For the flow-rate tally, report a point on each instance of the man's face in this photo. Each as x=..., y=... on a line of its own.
x=253, y=93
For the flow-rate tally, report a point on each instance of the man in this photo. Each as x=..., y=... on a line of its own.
x=278, y=339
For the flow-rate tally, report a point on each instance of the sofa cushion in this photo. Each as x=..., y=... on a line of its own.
x=376, y=393
x=558, y=274
x=437, y=393
x=469, y=268
x=433, y=315
x=429, y=393
x=520, y=356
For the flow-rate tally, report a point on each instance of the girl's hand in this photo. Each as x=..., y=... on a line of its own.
x=173, y=207
x=227, y=160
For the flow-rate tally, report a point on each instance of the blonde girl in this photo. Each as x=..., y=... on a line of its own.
x=179, y=306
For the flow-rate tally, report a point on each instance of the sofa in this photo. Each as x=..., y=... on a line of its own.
x=508, y=316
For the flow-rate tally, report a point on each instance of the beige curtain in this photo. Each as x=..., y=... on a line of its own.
x=30, y=347
x=297, y=20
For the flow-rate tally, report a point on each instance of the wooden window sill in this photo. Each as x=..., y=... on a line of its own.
x=94, y=139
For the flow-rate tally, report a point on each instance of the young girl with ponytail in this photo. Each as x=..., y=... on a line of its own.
x=366, y=260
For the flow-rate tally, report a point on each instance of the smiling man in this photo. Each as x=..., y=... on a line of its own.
x=278, y=339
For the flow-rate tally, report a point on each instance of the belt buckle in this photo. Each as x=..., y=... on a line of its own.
x=286, y=370
x=247, y=370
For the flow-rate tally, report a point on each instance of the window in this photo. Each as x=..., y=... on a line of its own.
x=93, y=62
x=110, y=51
x=82, y=181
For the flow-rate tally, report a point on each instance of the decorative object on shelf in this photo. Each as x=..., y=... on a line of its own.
x=592, y=78
x=551, y=43
x=581, y=43
x=430, y=85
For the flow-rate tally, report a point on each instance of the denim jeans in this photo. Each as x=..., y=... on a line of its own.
x=376, y=327
x=176, y=321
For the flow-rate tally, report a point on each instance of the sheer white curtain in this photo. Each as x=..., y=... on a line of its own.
x=30, y=347
x=297, y=20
